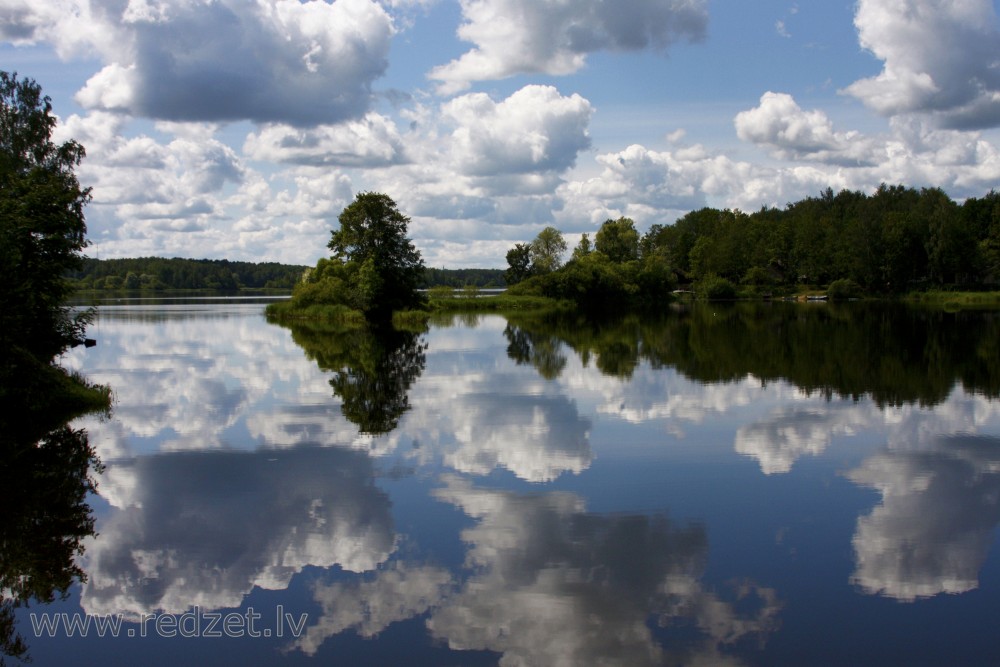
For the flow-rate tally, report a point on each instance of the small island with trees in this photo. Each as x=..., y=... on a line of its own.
x=373, y=271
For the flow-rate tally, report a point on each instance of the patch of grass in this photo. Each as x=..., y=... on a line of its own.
x=87, y=397
x=284, y=311
x=410, y=320
x=499, y=303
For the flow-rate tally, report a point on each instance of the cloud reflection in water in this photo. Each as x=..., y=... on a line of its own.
x=205, y=528
x=548, y=583
x=932, y=531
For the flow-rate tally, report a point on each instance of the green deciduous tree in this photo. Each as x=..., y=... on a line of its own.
x=42, y=226
x=983, y=217
x=583, y=248
x=618, y=239
x=518, y=263
x=547, y=250
x=384, y=267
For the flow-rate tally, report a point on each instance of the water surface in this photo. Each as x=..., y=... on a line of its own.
x=756, y=484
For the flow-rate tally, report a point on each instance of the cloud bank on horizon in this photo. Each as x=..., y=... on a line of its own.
x=241, y=129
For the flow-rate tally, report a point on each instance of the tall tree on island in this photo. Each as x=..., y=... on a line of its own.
x=385, y=267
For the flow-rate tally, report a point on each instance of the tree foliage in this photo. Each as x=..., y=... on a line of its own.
x=594, y=281
x=583, y=247
x=46, y=464
x=463, y=277
x=543, y=255
x=42, y=226
x=158, y=273
x=618, y=239
x=385, y=267
x=893, y=240
x=374, y=267
x=547, y=250
x=518, y=263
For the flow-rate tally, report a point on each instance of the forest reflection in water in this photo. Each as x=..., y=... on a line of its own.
x=47, y=471
x=719, y=483
x=890, y=352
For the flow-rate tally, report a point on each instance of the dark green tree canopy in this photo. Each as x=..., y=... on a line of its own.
x=42, y=226
x=618, y=239
x=383, y=266
x=518, y=263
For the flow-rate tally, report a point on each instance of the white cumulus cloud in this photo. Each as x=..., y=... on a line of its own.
x=555, y=36
x=367, y=142
x=793, y=133
x=301, y=63
x=534, y=130
x=940, y=58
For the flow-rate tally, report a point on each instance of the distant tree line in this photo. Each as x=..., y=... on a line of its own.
x=463, y=277
x=177, y=273
x=157, y=273
x=894, y=240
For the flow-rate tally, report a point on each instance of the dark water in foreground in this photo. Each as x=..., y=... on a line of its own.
x=762, y=484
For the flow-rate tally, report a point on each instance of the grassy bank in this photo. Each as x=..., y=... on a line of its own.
x=286, y=311
x=81, y=396
x=955, y=300
x=496, y=303
x=50, y=393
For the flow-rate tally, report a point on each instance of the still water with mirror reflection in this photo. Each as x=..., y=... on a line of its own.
x=760, y=484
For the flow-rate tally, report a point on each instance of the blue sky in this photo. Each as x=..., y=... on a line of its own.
x=241, y=128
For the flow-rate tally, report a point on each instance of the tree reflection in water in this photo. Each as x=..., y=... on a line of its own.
x=542, y=351
x=46, y=472
x=373, y=367
x=895, y=354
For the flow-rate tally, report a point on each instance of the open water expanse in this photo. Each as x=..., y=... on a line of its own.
x=759, y=484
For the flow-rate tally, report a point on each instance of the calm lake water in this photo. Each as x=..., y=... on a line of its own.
x=760, y=484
